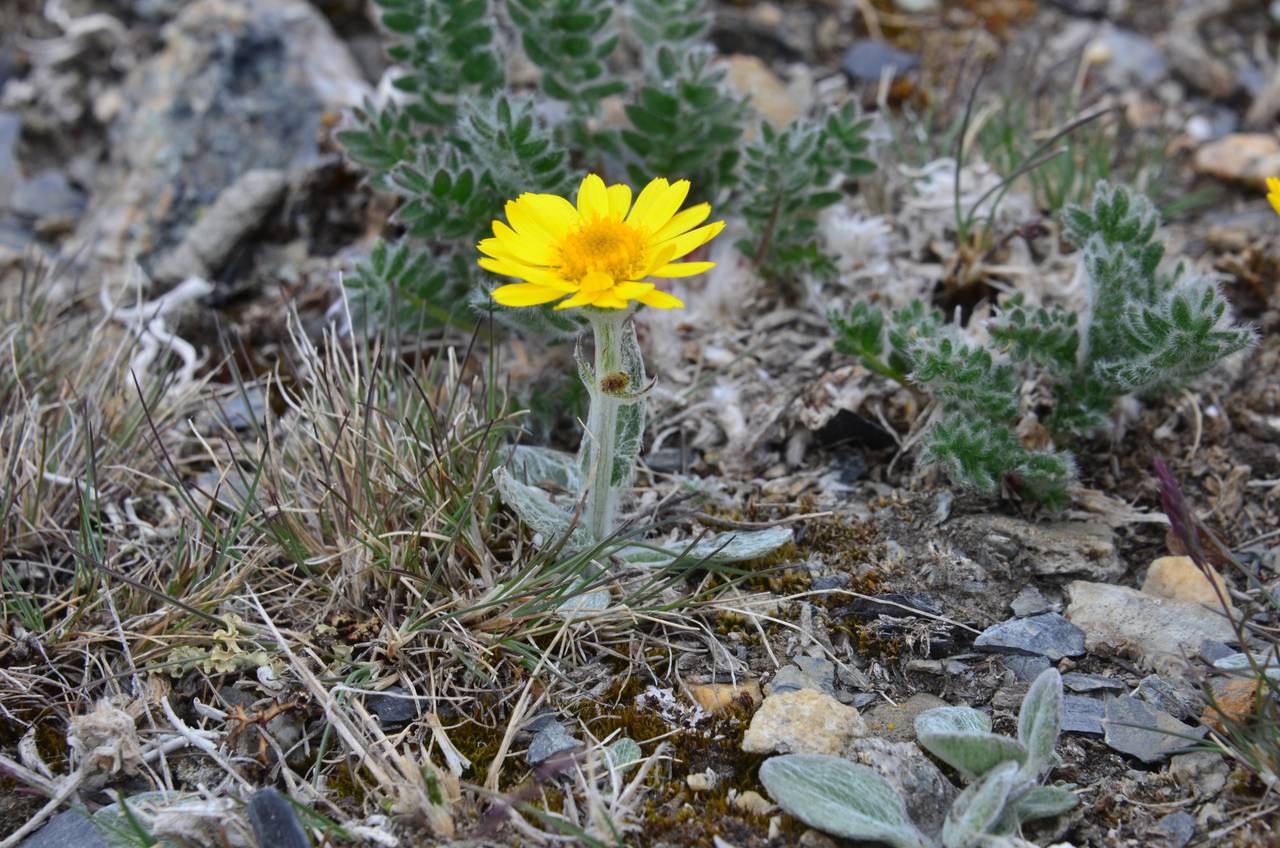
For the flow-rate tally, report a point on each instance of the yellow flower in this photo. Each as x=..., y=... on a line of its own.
x=599, y=251
x=1273, y=193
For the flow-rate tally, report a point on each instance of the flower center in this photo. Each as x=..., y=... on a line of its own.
x=603, y=246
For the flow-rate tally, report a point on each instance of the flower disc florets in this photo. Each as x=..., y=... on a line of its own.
x=599, y=252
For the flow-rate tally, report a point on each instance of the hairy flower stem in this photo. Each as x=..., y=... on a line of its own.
x=602, y=421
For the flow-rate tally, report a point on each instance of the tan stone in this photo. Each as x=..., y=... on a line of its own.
x=1178, y=578
x=714, y=697
x=802, y=722
x=753, y=803
x=775, y=100
x=1241, y=157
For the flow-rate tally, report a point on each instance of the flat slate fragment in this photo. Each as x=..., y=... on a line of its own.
x=68, y=829
x=1133, y=727
x=1082, y=715
x=274, y=821
x=1047, y=635
x=1077, y=682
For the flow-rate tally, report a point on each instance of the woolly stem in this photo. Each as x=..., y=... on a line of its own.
x=602, y=422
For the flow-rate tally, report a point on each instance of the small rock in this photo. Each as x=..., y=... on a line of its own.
x=1204, y=772
x=1128, y=57
x=1077, y=682
x=928, y=794
x=1240, y=157
x=394, y=706
x=1134, y=728
x=792, y=678
x=68, y=829
x=47, y=195
x=552, y=739
x=1030, y=601
x=702, y=781
x=715, y=697
x=1051, y=549
x=827, y=582
x=1048, y=635
x=1025, y=667
x=802, y=722
x=893, y=604
x=1178, y=578
x=1082, y=715
x=753, y=803
x=1165, y=695
x=771, y=97
x=1234, y=699
x=274, y=821
x=868, y=58
x=1164, y=631
x=897, y=722
x=1176, y=828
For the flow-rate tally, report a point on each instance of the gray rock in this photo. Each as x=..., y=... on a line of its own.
x=1077, y=682
x=47, y=195
x=1030, y=601
x=238, y=211
x=274, y=821
x=807, y=673
x=1178, y=701
x=1131, y=58
x=10, y=174
x=68, y=829
x=868, y=58
x=1176, y=828
x=927, y=792
x=1133, y=727
x=552, y=739
x=394, y=706
x=1053, y=549
x=1024, y=666
x=897, y=722
x=240, y=85
x=1202, y=772
x=1082, y=715
x=827, y=582
x=1162, y=630
x=1048, y=635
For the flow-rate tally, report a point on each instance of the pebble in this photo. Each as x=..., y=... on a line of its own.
x=702, y=781
x=68, y=829
x=1176, y=829
x=1030, y=601
x=1180, y=579
x=753, y=803
x=1234, y=699
x=1133, y=727
x=928, y=794
x=1240, y=157
x=552, y=739
x=802, y=722
x=1164, y=694
x=1052, y=549
x=807, y=673
x=394, y=706
x=1128, y=57
x=1025, y=667
x=1202, y=771
x=47, y=195
x=1082, y=715
x=274, y=820
x=1048, y=634
x=1077, y=682
x=868, y=58
x=1164, y=631
x=716, y=697
x=778, y=102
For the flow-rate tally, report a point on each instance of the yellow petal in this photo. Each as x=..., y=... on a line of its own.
x=579, y=299
x=683, y=221
x=540, y=276
x=596, y=281
x=661, y=300
x=683, y=269
x=553, y=213
x=609, y=301
x=632, y=290
x=649, y=195
x=530, y=251
x=619, y=201
x=525, y=294
x=593, y=198
x=1273, y=185
x=692, y=240
x=659, y=213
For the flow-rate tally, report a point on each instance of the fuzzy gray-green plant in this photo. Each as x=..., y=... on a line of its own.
x=458, y=139
x=1004, y=792
x=1145, y=331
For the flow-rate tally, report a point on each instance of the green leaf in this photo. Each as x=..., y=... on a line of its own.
x=962, y=738
x=1043, y=802
x=840, y=798
x=536, y=509
x=979, y=807
x=738, y=546
x=1040, y=722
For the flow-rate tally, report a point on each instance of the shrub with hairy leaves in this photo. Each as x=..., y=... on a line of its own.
x=1145, y=332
